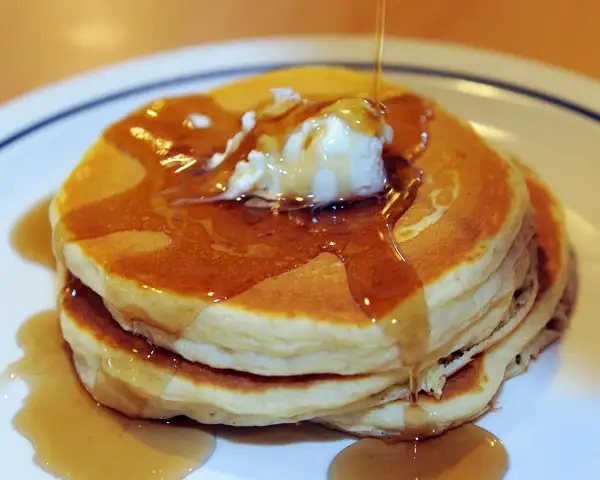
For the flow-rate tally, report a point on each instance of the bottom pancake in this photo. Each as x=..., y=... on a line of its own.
x=470, y=391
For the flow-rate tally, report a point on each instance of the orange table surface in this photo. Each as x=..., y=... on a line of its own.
x=42, y=41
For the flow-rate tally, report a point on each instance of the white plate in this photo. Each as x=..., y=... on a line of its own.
x=550, y=417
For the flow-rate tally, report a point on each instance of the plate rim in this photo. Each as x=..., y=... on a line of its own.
x=19, y=116
x=57, y=96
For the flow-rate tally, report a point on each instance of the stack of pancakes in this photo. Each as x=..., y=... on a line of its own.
x=485, y=236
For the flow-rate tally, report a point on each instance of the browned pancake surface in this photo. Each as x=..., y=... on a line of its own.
x=110, y=207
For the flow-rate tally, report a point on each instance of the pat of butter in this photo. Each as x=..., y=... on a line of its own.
x=323, y=160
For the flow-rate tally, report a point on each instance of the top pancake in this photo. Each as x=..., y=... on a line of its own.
x=163, y=269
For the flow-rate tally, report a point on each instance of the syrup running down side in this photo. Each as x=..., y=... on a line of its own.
x=72, y=435
x=237, y=246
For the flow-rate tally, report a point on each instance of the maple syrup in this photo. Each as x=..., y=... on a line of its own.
x=73, y=436
x=379, y=42
x=219, y=249
x=359, y=234
x=32, y=236
x=466, y=453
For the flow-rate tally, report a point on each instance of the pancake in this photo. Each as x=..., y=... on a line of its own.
x=206, y=394
x=162, y=384
x=492, y=301
x=470, y=213
x=125, y=372
x=470, y=391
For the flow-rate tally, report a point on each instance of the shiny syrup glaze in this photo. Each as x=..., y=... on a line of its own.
x=189, y=445
x=354, y=233
x=379, y=42
x=73, y=436
x=220, y=249
x=31, y=237
x=466, y=453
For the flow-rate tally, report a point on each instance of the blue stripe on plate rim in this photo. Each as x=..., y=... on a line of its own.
x=393, y=68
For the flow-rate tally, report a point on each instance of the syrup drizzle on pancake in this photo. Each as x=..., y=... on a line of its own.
x=220, y=249
x=465, y=453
